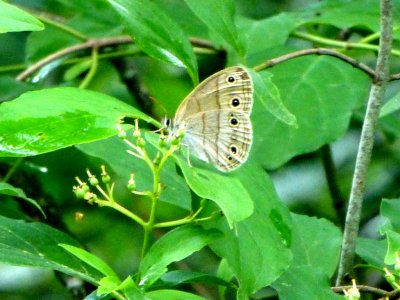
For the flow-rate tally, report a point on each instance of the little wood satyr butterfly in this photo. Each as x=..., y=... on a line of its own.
x=215, y=118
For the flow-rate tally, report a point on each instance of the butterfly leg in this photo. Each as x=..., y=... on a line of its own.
x=187, y=154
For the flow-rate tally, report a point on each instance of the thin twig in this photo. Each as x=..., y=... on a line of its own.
x=317, y=51
x=366, y=143
x=395, y=77
x=367, y=289
x=95, y=43
x=12, y=170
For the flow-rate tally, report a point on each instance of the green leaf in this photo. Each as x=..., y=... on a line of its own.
x=273, y=31
x=322, y=111
x=390, y=210
x=174, y=278
x=11, y=88
x=107, y=285
x=391, y=106
x=266, y=93
x=310, y=235
x=304, y=282
x=257, y=249
x=13, y=19
x=393, y=250
x=219, y=17
x=46, y=42
x=356, y=13
x=37, y=245
x=58, y=118
x=173, y=246
x=172, y=295
x=310, y=263
x=372, y=251
x=157, y=34
x=93, y=261
x=130, y=289
x=8, y=189
x=206, y=182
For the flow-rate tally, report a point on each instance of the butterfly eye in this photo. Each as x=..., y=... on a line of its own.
x=231, y=79
x=166, y=122
x=235, y=102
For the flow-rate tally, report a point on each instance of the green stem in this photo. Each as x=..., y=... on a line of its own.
x=122, y=210
x=183, y=221
x=12, y=170
x=374, y=36
x=340, y=44
x=79, y=35
x=93, y=69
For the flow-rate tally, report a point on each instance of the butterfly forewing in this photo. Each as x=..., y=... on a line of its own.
x=230, y=88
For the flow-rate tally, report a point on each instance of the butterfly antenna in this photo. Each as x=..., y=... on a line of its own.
x=159, y=104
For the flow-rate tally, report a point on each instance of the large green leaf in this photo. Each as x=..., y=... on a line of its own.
x=321, y=92
x=37, y=245
x=305, y=282
x=234, y=200
x=91, y=260
x=308, y=276
x=157, y=34
x=14, y=19
x=58, y=118
x=257, y=249
x=372, y=251
x=363, y=13
x=174, y=246
x=273, y=31
x=219, y=17
x=8, y=189
x=267, y=94
x=178, y=277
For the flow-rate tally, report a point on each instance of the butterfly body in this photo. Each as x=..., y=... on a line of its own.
x=215, y=117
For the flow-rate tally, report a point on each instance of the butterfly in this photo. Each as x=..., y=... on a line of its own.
x=215, y=118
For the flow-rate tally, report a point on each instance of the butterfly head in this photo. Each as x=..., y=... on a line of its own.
x=172, y=129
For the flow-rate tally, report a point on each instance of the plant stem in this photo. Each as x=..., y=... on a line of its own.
x=316, y=51
x=122, y=210
x=12, y=170
x=366, y=143
x=332, y=181
x=75, y=33
x=336, y=43
x=92, y=71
